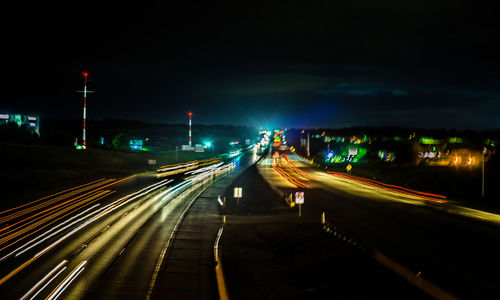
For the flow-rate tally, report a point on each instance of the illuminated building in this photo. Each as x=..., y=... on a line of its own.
x=31, y=122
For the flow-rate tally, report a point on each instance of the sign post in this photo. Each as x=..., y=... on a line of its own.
x=152, y=163
x=299, y=200
x=238, y=193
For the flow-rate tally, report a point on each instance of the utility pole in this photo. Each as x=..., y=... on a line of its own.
x=84, y=135
x=482, y=174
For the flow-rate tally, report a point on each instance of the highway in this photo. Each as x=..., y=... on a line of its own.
x=116, y=237
x=62, y=245
x=453, y=248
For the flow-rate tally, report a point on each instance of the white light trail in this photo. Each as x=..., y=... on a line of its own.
x=47, y=232
x=39, y=283
x=104, y=211
x=204, y=169
x=48, y=282
x=177, y=167
x=67, y=281
x=34, y=243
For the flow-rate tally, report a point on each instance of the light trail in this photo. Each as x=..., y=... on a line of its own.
x=392, y=188
x=67, y=281
x=48, y=282
x=209, y=168
x=294, y=168
x=23, y=225
x=52, y=201
x=183, y=164
x=391, y=185
x=45, y=233
x=61, y=217
x=101, y=212
x=83, y=195
x=46, y=197
x=175, y=167
x=39, y=283
x=60, y=289
x=104, y=211
x=133, y=196
x=41, y=220
x=474, y=213
x=277, y=168
x=283, y=179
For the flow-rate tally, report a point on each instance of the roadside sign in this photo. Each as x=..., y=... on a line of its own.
x=237, y=192
x=299, y=197
x=348, y=168
x=151, y=161
x=199, y=148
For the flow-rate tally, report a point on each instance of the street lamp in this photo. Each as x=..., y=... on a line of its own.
x=209, y=145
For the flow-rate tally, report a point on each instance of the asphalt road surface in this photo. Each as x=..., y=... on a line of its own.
x=455, y=249
x=64, y=244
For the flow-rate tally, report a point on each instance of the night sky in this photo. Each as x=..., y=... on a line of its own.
x=424, y=63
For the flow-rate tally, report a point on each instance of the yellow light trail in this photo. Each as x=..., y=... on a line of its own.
x=47, y=249
x=185, y=163
x=17, y=270
x=48, y=210
x=67, y=201
x=22, y=225
x=297, y=170
x=47, y=203
x=71, y=209
x=276, y=166
x=58, y=193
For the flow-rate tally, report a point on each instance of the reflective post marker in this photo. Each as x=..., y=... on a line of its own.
x=237, y=193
